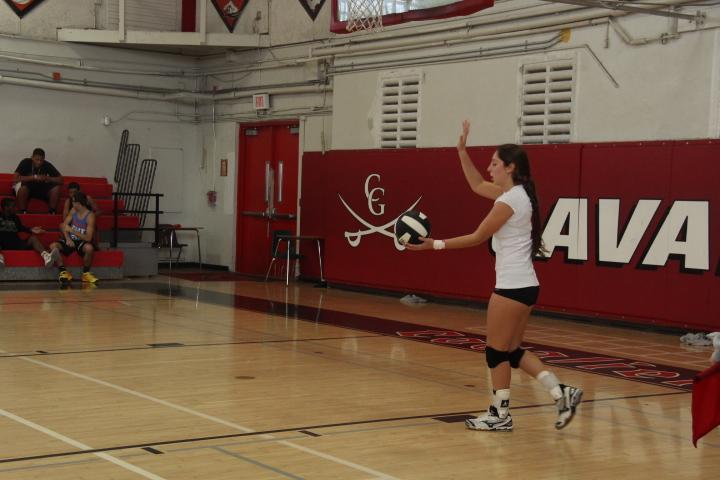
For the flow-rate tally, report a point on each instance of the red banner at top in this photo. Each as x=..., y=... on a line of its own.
x=229, y=11
x=312, y=8
x=22, y=7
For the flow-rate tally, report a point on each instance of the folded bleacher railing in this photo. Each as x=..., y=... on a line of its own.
x=117, y=196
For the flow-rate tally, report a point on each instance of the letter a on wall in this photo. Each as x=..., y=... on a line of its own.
x=312, y=7
x=229, y=11
x=22, y=7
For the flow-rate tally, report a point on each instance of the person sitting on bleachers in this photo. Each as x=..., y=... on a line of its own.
x=78, y=231
x=11, y=226
x=38, y=179
x=73, y=188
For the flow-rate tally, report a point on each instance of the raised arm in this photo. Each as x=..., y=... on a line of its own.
x=473, y=176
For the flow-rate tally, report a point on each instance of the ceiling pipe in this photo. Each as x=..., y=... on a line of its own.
x=519, y=47
x=161, y=97
x=698, y=18
x=89, y=68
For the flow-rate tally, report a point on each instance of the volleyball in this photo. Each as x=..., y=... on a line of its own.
x=410, y=226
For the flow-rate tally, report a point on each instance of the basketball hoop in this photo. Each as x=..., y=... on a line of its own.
x=364, y=15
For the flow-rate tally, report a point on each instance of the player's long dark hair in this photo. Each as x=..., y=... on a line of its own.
x=510, y=153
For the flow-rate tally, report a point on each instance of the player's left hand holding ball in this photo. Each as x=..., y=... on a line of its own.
x=427, y=244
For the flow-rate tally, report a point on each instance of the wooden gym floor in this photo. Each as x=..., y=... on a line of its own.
x=173, y=379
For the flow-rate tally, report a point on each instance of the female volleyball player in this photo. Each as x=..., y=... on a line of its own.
x=514, y=225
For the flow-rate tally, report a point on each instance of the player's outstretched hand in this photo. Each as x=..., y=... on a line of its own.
x=427, y=244
x=463, y=138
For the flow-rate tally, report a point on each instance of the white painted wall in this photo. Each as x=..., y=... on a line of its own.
x=289, y=23
x=665, y=91
x=202, y=174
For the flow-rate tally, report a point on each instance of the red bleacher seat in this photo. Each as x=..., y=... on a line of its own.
x=105, y=222
x=95, y=190
x=66, y=178
x=38, y=206
x=29, y=258
x=45, y=238
x=52, y=222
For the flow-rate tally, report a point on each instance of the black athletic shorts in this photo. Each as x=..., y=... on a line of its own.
x=527, y=295
x=39, y=190
x=79, y=244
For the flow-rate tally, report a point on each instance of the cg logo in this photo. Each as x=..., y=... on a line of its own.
x=372, y=196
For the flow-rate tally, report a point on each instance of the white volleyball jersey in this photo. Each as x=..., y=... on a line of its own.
x=513, y=243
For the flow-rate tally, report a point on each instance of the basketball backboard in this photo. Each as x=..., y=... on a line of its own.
x=401, y=11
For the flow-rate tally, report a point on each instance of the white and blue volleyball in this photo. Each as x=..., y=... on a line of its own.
x=410, y=226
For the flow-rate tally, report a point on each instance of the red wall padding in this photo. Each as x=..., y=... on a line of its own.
x=669, y=171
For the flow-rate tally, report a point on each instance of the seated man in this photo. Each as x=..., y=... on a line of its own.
x=10, y=226
x=73, y=188
x=38, y=179
x=77, y=232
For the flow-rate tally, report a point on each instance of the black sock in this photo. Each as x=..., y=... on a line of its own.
x=86, y=269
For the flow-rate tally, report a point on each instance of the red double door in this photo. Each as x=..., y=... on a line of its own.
x=267, y=191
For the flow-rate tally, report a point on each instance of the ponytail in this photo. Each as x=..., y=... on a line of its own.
x=511, y=153
x=538, y=248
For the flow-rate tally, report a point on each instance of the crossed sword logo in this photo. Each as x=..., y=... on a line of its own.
x=354, y=238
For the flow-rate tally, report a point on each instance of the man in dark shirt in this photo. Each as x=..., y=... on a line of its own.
x=11, y=226
x=38, y=179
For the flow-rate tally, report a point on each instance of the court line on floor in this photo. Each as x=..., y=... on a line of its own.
x=81, y=446
x=315, y=427
x=211, y=418
x=79, y=301
x=184, y=345
x=257, y=463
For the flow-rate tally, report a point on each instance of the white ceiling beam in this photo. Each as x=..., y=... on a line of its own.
x=170, y=39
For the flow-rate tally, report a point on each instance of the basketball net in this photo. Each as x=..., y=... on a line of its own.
x=364, y=15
